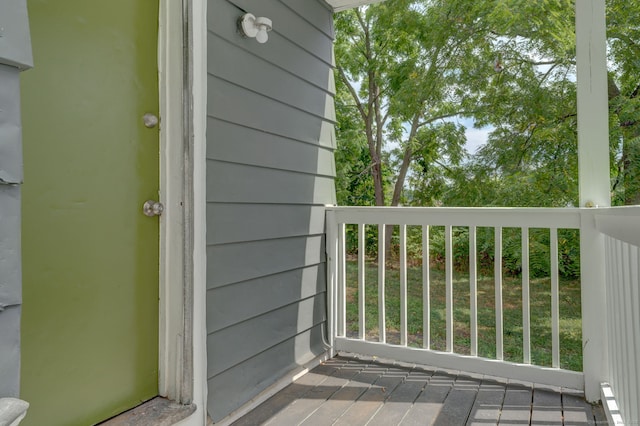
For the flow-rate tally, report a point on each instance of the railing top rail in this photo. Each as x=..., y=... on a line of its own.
x=536, y=217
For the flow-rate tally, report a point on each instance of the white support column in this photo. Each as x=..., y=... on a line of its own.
x=593, y=109
x=593, y=162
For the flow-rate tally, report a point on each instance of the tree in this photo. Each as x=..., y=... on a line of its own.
x=531, y=156
x=399, y=63
x=623, y=30
x=412, y=66
x=407, y=68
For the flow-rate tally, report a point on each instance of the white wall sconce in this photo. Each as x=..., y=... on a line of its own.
x=251, y=27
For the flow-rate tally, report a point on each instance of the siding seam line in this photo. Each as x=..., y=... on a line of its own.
x=329, y=36
x=254, y=166
x=298, y=76
x=329, y=147
x=291, y=237
x=266, y=349
x=304, y=49
x=268, y=204
x=229, y=243
x=209, y=333
x=312, y=114
x=252, y=203
x=324, y=262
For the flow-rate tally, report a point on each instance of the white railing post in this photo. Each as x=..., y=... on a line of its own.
x=473, y=290
x=341, y=290
x=382, y=257
x=498, y=292
x=362, y=327
x=448, y=248
x=593, y=279
x=526, y=303
x=426, y=298
x=332, y=276
x=403, y=285
x=555, y=300
x=593, y=163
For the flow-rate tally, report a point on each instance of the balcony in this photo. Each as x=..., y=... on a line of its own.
x=365, y=390
x=610, y=306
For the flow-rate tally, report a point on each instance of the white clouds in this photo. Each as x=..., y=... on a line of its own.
x=476, y=138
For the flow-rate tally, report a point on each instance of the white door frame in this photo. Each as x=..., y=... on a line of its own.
x=182, y=87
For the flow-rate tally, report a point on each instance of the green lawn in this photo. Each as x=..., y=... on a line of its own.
x=540, y=296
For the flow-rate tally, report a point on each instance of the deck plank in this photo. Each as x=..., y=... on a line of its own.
x=369, y=391
x=486, y=409
x=576, y=411
x=290, y=394
x=599, y=415
x=516, y=407
x=547, y=408
x=370, y=401
x=429, y=403
x=340, y=401
x=459, y=402
x=315, y=397
x=396, y=407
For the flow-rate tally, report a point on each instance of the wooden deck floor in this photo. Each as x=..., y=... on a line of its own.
x=351, y=391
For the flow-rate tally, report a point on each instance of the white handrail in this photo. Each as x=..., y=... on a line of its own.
x=471, y=218
x=506, y=217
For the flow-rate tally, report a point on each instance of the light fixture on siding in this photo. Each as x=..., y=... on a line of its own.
x=251, y=27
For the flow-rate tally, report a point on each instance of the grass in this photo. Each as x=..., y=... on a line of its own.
x=540, y=301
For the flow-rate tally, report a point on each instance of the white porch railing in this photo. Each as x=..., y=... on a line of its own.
x=497, y=218
x=621, y=227
x=621, y=311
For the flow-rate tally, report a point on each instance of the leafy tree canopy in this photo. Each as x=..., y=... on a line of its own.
x=408, y=71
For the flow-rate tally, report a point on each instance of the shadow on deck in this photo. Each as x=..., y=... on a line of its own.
x=363, y=391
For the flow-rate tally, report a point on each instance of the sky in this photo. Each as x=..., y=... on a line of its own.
x=475, y=137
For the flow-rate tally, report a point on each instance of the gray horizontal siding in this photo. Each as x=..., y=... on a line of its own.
x=314, y=13
x=266, y=331
x=222, y=23
x=229, y=102
x=263, y=222
x=233, y=263
x=225, y=388
x=262, y=295
x=287, y=88
x=265, y=150
x=262, y=185
x=270, y=172
x=292, y=26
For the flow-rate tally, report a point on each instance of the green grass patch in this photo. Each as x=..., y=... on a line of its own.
x=540, y=301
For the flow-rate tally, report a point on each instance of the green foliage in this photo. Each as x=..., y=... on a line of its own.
x=398, y=64
x=539, y=249
x=623, y=32
x=354, y=185
x=408, y=69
